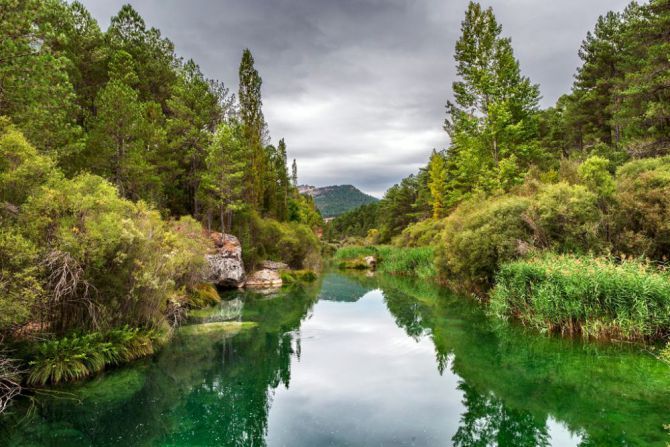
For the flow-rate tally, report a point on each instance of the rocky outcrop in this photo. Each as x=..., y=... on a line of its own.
x=371, y=262
x=274, y=265
x=226, y=268
x=264, y=279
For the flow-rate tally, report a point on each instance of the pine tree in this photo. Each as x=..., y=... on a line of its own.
x=221, y=184
x=645, y=92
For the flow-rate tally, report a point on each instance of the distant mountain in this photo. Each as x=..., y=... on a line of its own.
x=335, y=200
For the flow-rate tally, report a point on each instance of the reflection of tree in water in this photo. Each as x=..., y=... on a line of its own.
x=607, y=394
x=488, y=422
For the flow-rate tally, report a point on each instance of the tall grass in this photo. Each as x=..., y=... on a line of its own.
x=418, y=262
x=81, y=355
x=593, y=297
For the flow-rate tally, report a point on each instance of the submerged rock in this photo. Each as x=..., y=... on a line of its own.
x=264, y=279
x=226, y=268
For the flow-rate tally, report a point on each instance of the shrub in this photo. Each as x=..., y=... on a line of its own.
x=566, y=218
x=642, y=214
x=421, y=234
x=584, y=295
x=290, y=242
x=203, y=295
x=479, y=235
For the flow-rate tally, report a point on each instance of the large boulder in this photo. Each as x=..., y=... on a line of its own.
x=226, y=268
x=274, y=265
x=264, y=279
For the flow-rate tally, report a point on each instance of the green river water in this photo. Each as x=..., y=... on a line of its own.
x=353, y=360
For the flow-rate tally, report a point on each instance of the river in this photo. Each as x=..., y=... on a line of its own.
x=357, y=360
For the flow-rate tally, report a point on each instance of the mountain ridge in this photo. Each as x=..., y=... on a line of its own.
x=335, y=200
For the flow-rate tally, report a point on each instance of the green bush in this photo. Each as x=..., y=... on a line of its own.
x=641, y=218
x=202, y=295
x=566, y=218
x=290, y=242
x=421, y=234
x=481, y=234
x=584, y=295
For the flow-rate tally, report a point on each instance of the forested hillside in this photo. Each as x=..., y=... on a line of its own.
x=115, y=156
x=333, y=201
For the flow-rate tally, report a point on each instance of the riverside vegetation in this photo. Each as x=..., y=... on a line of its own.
x=557, y=218
x=116, y=156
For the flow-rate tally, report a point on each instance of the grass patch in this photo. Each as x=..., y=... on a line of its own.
x=418, y=261
x=593, y=297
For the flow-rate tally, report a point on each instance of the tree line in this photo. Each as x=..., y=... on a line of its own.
x=121, y=104
x=499, y=137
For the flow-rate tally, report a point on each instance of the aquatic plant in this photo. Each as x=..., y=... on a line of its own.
x=594, y=297
x=80, y=355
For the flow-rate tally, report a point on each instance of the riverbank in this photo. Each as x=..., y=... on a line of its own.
x=574, y=296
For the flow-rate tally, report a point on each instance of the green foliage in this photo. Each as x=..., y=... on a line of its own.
x=291, y=242
x=421, y=234
x=203, y=295
x=357, y=222
x=417, y=262
x=80, y=355
x=583, y=295
x=642, y=211
x=481, y=234
x=594, y=172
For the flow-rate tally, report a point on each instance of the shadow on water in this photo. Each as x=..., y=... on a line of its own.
x=509, y=388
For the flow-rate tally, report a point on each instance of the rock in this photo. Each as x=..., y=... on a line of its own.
x=274, y=265
x=371, y=261
x=264, y=279
x=226, y=268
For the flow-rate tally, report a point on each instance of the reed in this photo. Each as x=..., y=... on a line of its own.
x=592, y=297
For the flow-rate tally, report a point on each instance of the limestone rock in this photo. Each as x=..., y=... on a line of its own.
x=226, y=268
x=371, y=261
x=264, y=279
x=274, y=265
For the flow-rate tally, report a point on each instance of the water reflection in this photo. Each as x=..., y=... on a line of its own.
x=356, y=360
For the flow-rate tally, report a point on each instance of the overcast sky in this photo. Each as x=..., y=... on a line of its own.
x=358, y=87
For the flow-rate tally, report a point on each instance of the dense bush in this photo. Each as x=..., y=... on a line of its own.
x=481, y=234
x=565, y=218
x=642, y=212
x=420, y=234
x=290, y=242
x=584, y=295
x=75, y=255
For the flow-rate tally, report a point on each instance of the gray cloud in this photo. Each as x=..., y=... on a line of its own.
x=358, y=87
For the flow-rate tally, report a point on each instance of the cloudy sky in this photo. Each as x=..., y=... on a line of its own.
x=358, y=87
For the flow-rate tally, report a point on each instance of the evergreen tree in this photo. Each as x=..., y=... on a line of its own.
x=251, y=115
x=437, y=170
x=645, y=92
x=221, y=185
x=294, y=174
